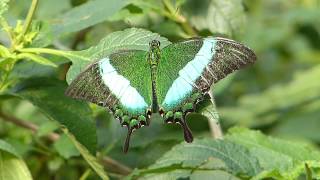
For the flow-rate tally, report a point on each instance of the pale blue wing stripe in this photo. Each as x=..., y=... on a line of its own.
x=176, y=92
x=128, y=96
x=182, y=86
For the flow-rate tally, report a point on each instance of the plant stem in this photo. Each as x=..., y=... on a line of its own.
x=85, y=175
x=112, y=164
x=28, y=20
x=214, y=123
x=27, y=125
x=189, y=29
x=308, y=172
x=175, y=16
x=66, y=54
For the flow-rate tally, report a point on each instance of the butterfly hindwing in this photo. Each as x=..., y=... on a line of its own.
x=120, y=82
x=191, y=67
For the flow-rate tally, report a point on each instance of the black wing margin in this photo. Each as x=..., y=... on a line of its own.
x=229, y=56
x=89, y=86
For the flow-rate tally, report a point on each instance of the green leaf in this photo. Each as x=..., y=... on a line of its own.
x=231, y=157
x=92, y=161
x=4, y=146
x=243, y=153
x=132, y=38
x=214, y=174
x=11, y=165
x=3, y=6
x=288, y=158
x=86, y=15
x=202, y=149
x=151, y=5
x=48, y=96
x=31, y=69
x=224, y=17
x=211, y=166
x=65, y=147
x=81, y=17
x=50, y=8
x=278, y=102
x=47, y=128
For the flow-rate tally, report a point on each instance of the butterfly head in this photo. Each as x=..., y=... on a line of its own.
x=154, y=44
x=154, y=53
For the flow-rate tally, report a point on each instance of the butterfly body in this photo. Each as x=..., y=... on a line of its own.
x=133, y=84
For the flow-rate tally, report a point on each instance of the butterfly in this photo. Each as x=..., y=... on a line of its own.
x=134, y=84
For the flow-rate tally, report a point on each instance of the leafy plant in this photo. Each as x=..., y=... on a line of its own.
x=279, y=95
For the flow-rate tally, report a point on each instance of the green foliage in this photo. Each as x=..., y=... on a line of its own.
x=243, y=154
x=289, y=158
x=65, y=147
x=44, y=131
x=51, y=101
x=301, y=90
x=12, y=166
x=3, y=6
x=223, y=17
x=80, y=17
x=92, y=160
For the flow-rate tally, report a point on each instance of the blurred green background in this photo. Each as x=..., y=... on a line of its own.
x=280, y=94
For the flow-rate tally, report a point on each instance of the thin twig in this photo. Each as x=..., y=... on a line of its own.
x=27, y=125
x=28, y=20
x=172, y=13
x=110, y=163
x=213, y=117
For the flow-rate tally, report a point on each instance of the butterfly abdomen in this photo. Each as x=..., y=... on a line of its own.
x=155, y=107
x=153, y=59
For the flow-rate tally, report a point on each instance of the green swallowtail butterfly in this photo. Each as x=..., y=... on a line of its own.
x=133, y=84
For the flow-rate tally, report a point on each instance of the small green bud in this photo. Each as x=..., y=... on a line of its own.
x=187, y=106
x=119, y=112
x=126, y=119
x=195, y=96
x=133, y=123
x=141, y=118
x=169, y=115
x=178, y=115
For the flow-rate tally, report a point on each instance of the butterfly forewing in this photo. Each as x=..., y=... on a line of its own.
x=171, y=88
x=192, y=66
x=120, y=80
x=90, y=87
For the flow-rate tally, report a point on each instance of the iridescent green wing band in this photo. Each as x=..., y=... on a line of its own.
x=174, y=58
